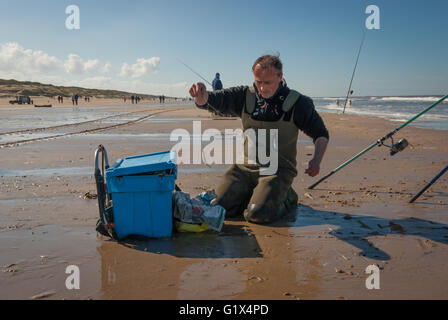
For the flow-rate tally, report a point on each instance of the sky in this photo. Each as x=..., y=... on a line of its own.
x=139, y=46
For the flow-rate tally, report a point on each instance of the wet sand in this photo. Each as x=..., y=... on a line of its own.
x=356, y=218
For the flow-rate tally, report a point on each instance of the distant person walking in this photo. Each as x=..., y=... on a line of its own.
x=217, y=84
x=76, y=98
x=73, y=99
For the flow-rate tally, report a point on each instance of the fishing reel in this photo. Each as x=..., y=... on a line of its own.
x=394, y=147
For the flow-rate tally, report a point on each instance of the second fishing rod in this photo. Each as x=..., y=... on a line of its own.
x=394, y=147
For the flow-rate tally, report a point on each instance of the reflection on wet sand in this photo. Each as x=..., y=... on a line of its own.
x=141, y=268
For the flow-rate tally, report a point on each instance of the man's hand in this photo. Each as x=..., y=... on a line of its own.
x=199, y=93
x=313, y=168
x=320, y=145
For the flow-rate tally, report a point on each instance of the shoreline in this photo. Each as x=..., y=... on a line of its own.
x=100, y=102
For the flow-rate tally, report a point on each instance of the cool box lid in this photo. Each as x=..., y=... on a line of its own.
x=145, y=163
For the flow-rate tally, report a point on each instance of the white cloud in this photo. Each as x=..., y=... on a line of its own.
x=106, y=67
x=16, y=59
x=91, y=65
x=140, y=68
x=76, y=65
x=35, y=65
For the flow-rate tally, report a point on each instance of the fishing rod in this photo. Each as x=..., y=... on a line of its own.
x=429, y=184
x=394, y=147
x=195, y=72
x=354, y=69
x=208, y=104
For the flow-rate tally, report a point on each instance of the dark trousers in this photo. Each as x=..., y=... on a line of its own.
x=261, y=199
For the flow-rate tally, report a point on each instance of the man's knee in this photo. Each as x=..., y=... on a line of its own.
x=263, y=213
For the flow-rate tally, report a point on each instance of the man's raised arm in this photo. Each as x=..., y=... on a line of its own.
x=228, y=101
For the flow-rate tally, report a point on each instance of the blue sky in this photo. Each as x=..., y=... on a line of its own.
x=317, y=41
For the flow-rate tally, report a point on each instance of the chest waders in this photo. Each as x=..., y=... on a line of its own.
x=242, y=186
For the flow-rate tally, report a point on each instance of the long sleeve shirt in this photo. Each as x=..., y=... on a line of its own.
x=232, y=101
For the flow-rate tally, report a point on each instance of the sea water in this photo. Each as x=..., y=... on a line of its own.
x=398, y=108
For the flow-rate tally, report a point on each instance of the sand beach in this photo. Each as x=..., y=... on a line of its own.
x=358, y=217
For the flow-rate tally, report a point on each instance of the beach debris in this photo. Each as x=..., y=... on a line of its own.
x=42, y=295
x=429, y=243
x=363, y=225
x=259, y=279
x=89, y=195
x=281, y=234
x=337, y=270
x=15, y=226
x=286, y=294
x=308, y=195
x=396, y=227
x=9, y=270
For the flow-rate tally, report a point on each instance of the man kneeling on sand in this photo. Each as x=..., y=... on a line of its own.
x=269, y=104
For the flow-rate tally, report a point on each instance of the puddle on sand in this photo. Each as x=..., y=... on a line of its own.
x=83, y=171
x=209, y=281
x=163, y=268
x=159, y=120
x=14, y=119
x=24, y=136
x=65, y=171
x=34, y=261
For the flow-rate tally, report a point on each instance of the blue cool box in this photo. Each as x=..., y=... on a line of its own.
x=141, y=188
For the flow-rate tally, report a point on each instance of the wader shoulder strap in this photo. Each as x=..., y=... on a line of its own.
x=250, y=100
x=290, y=100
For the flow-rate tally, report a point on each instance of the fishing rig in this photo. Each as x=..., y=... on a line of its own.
x=394, y=147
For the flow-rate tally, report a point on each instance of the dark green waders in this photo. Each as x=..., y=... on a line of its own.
x=243, y=189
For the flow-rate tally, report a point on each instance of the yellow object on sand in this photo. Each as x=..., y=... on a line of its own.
x=190, y=227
